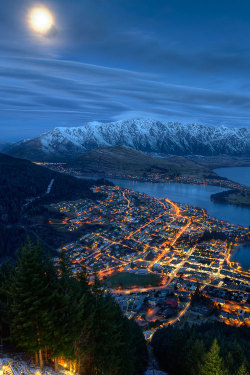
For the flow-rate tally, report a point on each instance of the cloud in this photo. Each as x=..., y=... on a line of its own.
x=108, y=59
x=54, y=88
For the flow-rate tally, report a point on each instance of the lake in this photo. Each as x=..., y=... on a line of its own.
x=242, y=256
x=199, y=195
x=236, y=174
x=195, y=195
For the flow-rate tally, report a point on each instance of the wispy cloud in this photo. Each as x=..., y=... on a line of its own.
x=112, y=59
x=95, y=92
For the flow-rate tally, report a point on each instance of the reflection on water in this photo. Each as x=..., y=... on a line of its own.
x=242, y=256
x=236, y=174
x=195, y=195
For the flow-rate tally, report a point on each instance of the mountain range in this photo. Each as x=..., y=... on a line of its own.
x=149, y=136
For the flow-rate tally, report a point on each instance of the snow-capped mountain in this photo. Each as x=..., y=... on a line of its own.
x=143, y=135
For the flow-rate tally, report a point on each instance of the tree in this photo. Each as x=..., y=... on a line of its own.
x=212, y=364
x=105, y=345
x=54, y=310
x=229, y=362
x=70, y=300
x=238, y=355
x=139, y=345
x=32, y=291
x=242, y=370
x=195, y=357
x=6, y=273
x=188, y=342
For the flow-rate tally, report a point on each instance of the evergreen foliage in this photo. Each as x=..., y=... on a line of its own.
x=242, y=370
x=211, y=348
x=32, y=291
x=105, y=341
x=23, y=198
x=53, y=311
x=212, y=362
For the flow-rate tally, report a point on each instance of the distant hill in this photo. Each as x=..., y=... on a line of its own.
x=21, y=180
x=4, y=145
x=25, y=190
x=169, y=138
x=124, y=161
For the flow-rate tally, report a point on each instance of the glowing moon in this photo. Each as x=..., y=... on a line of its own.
x=41, y=20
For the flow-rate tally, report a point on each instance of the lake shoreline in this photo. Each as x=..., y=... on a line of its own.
x=220, y=197
x=200, y=197
x=235, y=252
x=239, y=198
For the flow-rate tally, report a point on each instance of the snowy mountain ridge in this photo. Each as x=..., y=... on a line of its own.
x=143, y=135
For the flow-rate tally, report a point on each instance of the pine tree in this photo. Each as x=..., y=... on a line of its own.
x=139, y=346
x=32, y=292
x=242, y=370
x=106, y=343
x=229, y=361
x=238, y=355
x=70, y=303
x=212, y=364
x=6, y=273
x=195, y=357
x=61, y=336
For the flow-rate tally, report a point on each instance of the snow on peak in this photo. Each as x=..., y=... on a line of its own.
x=148, y=135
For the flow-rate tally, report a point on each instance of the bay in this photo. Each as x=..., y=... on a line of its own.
x=195, y=195
x=236, y=174
x=242, y=255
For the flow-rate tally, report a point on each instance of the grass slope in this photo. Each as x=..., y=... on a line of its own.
x=122, y=161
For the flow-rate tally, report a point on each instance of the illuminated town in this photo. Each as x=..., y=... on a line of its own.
x=153, y=256
x=148, y=177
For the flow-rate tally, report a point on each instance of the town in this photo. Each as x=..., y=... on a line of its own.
x=157, y=257
x=149, y=177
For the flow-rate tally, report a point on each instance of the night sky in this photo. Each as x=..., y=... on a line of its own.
x=105, y=60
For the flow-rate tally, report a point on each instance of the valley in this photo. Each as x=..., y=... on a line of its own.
x=145, y=249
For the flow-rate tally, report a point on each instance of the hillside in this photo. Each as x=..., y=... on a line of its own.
x=22, y=181
x=25, y=191
x=222, y=161
x=123, y=161
x=4, y=145
x=192, y=343
x=237, y=197
x=168, y=138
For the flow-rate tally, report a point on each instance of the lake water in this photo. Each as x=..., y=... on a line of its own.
x=237, y=174
x=195, y=195
x=199, y=195
x=242, y=256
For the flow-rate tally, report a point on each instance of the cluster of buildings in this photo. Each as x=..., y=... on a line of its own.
x=153, y=177
x=130, y=232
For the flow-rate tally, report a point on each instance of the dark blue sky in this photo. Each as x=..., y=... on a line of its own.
x=113, y=59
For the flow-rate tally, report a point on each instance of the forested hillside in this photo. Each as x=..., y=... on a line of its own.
x=50, y=312
x=25, y=190
x=212, y=348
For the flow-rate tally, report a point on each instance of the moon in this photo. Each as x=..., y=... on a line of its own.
x=41, y=20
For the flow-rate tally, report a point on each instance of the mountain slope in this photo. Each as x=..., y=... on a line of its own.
x=142, y=135
x=123, y=161
x=21, y=181
x=4, y=145
x=26, y=190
